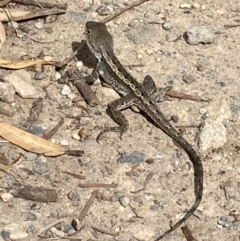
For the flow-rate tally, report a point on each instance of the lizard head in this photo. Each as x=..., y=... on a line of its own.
x=97, y=37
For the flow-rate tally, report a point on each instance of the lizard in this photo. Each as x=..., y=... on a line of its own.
x=100, y=44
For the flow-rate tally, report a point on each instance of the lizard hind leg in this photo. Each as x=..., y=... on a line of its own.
x=114, y=110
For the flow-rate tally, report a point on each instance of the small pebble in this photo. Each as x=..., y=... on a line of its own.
x=165, y=53
x=66, y=228
x=149, y=51
x=135, y=157
x=36, y=130
x=154, y=208
x=65, y=90
x=200, y=34
x=208, y=73
x=6, y=197
x=39, y=25
x=31, y=217
x=75, y=136
x=73, y=196
x=175, y=118
x=39, y=76
x=167, y=26
x=228, y=218
x=196, y=5
x=185, y=6
x=202, y=111
x=104, y=10
x=47, y=58
x=30, y=156
x=79, y=65
x=30, y=229
x=64, y=142
x=188, y=78
x=200, y=67
x=83, y=133
x=171, y=37
x=57, y=76
x=41, y=168
x=49, y=30
x=124, y=201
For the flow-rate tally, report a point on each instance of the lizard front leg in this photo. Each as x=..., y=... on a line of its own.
x=114, y=110
x=151, y=89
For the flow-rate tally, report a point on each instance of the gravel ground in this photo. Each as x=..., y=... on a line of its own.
x=185, y=45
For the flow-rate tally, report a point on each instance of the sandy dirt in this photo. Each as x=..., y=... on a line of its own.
x=124, y=213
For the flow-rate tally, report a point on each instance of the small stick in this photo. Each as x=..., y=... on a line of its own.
x=180, y=95
x=101, y=230
x=87, y=205
x=105, y=185
x=52, y=132
x=123, y=10
x=75, y=175
x=84, y=89
x=231, y=26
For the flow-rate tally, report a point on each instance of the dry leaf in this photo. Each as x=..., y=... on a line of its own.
x=29, y=141
x=2, y=35
x=10, y=64
x=19, y=14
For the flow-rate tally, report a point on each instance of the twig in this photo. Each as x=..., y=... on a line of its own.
x=84, y=89
x=101, y=230
x=180, y=95
x=75, y=175
x=231, y=26
x=87, y=205
x=87, y=185
x=187, y=233
x=53, y=131
x=123, y=10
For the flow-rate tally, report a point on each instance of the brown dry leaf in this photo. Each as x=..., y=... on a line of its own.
x=37, y=63
x=29, y=141
x=15, y=13
x=2, y=35
x=19, y=14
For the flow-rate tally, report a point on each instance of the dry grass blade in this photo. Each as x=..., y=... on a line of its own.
x=37, y=63
x=18, y=14
x=29, y=141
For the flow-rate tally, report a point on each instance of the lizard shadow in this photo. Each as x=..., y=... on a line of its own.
x=84, y=54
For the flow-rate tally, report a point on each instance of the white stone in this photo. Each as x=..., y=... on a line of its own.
x=64, y=142
x=48, y=58
x=65, y=90
x=79, y=65
x=75, y=136
x=6, y=197
x=185, y=5
x=57, y=76
x=212, y=135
